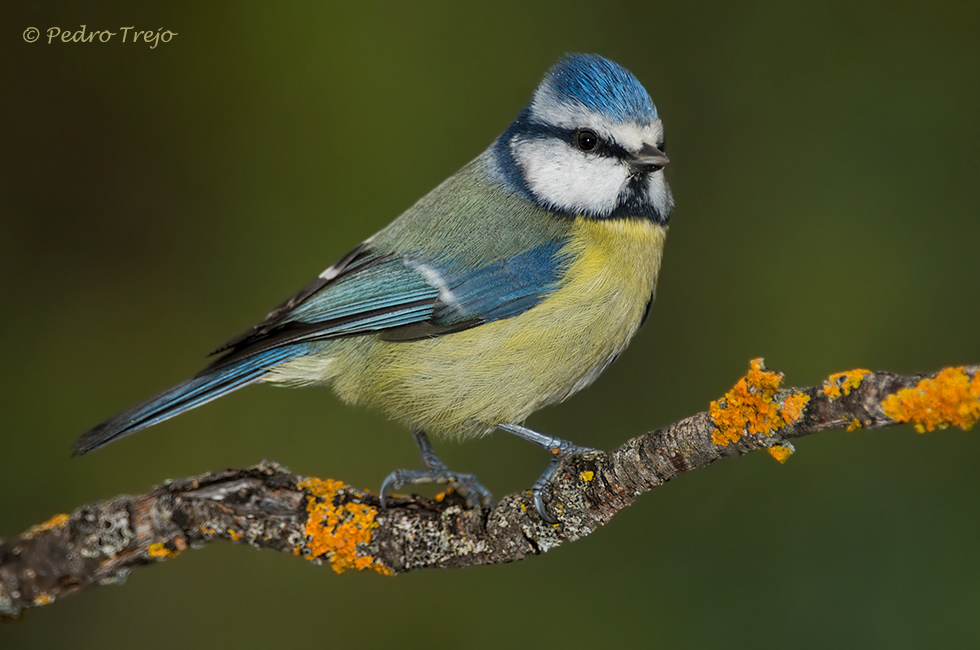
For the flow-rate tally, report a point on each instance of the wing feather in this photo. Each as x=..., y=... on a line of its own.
x=403, y=297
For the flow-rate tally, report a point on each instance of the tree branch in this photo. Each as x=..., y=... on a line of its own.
x=267, y=506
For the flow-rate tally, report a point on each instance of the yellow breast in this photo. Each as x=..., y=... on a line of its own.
x=606, y=291
x=464, y=383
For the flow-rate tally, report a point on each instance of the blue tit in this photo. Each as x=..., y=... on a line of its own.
x=509, y=287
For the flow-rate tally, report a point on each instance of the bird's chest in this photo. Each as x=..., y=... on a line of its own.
x=563, y=344
x=608, y=282
x=464, y=383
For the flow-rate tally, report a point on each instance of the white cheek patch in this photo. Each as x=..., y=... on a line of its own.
x=568, y=179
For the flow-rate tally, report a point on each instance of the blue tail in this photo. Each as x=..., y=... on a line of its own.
x=215, y=381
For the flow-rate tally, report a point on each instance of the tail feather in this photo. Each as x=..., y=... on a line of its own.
x=212, y=383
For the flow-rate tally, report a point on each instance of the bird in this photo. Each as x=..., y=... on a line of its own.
x=509, y=287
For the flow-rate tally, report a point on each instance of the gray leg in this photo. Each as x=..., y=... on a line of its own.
x=436, y=472
x=560, y=450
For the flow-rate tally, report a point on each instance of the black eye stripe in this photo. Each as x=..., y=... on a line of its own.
x=604, y=147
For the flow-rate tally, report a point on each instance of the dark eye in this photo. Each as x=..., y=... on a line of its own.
x=587, y=140
x=662, y=146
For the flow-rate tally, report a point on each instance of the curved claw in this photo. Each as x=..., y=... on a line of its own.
x=468, y=486
x=537, y=491
x=392, y=482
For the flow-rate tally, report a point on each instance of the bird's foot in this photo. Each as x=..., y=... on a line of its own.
x=466, y=485
x=435, y=471
x=560, y=450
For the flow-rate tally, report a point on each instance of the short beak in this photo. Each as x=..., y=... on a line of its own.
x=649, y=159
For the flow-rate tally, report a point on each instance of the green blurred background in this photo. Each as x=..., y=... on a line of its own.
x=155, y=202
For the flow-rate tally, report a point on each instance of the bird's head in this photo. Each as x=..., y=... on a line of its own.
x=589, y=143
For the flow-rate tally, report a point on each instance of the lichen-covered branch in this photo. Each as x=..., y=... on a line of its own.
x=327, y=521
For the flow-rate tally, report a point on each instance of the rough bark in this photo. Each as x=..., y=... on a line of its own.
x=266, y=506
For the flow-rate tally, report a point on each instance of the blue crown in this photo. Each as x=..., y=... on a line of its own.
x=602, y=86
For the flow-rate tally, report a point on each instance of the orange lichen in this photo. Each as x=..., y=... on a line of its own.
x=234, y=535
x=43, y=599
x=336, y=530
x=952, y=398
x=160, y=551
x=56, y=521
x=842, y=383
x=752, y=406
x=782, y=451
x=587, y=475
x=793, y=406
x=854, y=425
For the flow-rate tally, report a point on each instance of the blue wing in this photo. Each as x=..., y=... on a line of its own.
x=501, y=289
x=402, y=298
